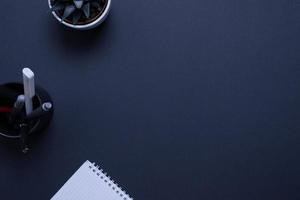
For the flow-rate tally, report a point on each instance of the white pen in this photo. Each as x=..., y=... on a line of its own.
x=29, y=89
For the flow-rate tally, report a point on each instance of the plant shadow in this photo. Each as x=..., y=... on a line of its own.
x=81, y=42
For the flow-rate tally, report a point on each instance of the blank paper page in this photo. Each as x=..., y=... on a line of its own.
x=90, y=183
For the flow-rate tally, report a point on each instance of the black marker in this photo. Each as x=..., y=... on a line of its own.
x=40, y=111
x=24, y=130
x=17, y=109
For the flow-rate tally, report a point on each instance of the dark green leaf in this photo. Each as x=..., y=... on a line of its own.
x=68, y=11
x=76, y=17
x=86, y=10
x=97, y=5
x=78, y=3
x=58, y=6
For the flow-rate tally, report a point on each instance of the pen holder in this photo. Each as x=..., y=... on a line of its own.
x=8, y=95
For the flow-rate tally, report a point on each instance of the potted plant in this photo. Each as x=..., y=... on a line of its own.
x=80, y=14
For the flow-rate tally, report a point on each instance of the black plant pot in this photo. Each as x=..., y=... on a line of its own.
x=8, y=95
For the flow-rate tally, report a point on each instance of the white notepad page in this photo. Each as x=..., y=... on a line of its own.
x=90, y=183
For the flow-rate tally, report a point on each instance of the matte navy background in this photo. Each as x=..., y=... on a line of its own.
x=196, y=99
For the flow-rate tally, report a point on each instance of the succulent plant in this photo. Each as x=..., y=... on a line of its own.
x=78, y=11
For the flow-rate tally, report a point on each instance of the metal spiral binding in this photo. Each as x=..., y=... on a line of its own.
x=111, y=183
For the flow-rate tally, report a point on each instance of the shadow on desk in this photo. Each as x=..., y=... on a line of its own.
x=12, y=147
x=80, y=42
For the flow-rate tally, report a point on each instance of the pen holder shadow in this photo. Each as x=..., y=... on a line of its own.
x=8, y=95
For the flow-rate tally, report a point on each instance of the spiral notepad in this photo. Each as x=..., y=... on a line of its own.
x=90, y=183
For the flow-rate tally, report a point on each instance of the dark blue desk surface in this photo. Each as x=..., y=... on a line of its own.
x=196, y=99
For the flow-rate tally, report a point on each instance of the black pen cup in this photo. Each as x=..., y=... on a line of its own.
x=9, y=92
